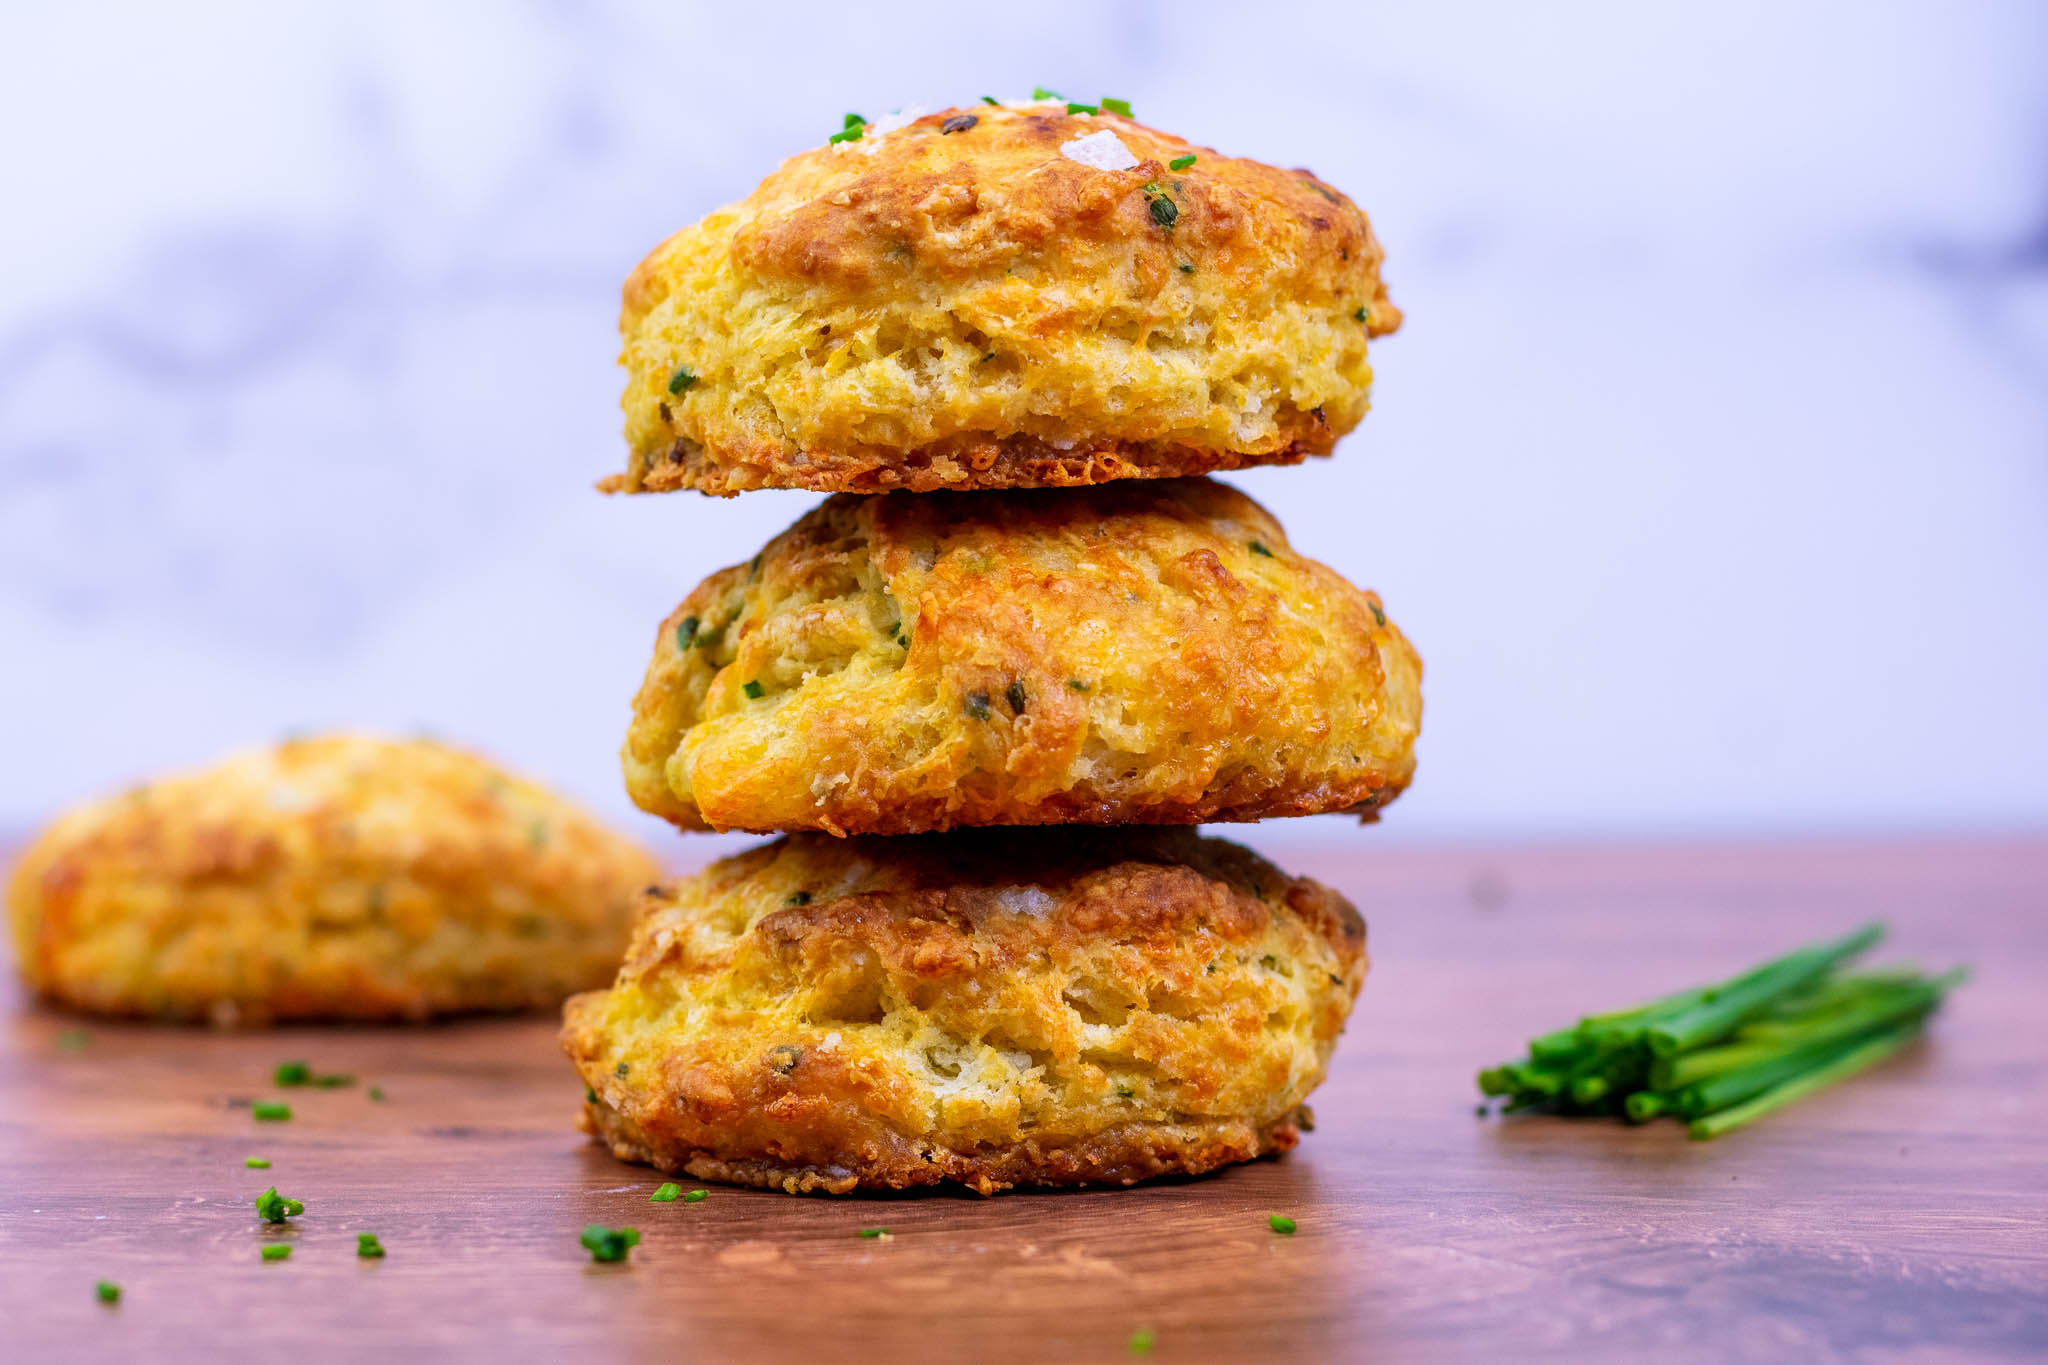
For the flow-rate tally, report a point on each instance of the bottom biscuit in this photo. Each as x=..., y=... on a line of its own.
x=988, y=1007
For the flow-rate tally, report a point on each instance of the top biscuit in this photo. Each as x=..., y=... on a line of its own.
x=1000, y=297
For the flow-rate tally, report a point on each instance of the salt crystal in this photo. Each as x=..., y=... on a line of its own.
x=1104, y=151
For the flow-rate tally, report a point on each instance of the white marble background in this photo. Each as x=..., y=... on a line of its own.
x=1708, y=473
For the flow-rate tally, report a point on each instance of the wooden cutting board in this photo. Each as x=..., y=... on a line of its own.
x=1902, y=1216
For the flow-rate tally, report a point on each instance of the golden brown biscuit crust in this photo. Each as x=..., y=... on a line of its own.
x=993, y=1008
x=340, y=877
x=1147, y=652
x=924, y=309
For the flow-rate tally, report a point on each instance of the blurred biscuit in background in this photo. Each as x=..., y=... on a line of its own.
x=333, y=878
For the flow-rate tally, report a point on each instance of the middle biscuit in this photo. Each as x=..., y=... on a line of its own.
x=1144, y=652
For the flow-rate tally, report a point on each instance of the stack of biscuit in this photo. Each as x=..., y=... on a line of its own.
x=986, y=689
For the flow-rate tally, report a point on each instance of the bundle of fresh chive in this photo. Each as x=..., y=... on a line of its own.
x=1726, y=1054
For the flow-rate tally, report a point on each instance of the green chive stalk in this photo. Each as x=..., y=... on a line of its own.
x=1859, y=1058
x=1728, y=1046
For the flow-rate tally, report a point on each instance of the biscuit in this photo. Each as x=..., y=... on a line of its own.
x=333, y=878
x=1143, y=652
x=961, y=303
x=991, y=1007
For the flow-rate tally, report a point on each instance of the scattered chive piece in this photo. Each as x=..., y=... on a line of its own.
x=273, y=1207
x=1260, y=549
x=667, y=1194
x=1362, y=315
x=752, y=688
x=1181, y=163
x=257, y=1163
x=798, y=898
x=74, y=1040
x=1039, y=92
x=686, y=634
x=1379, y=618
x=1074, y=108
x=977, y=705
x=293, y=1073
x=277, y=1251
x=609, y=1244
x=270, y=1113
x=1281, y=1224
x=855, y=126
x=108, y=1291
x=1187, y=267
x=337, y=1081
x=1124, y=1092
x=368, y=1246
x=1142, y=1341
x=377, y=1093
x=873, y=1234
x=1117, y=106
x=589, y=1095
x=696, y=1196
x=1014, y=694
x=620, y=1070
x=1077, y=684
x=684, y=375
x=990, y=99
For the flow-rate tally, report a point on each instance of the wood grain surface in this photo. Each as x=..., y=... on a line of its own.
x=1903, y=1216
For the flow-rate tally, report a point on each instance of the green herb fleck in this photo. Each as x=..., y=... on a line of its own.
x=368, y=1247
x=277, y=1251
x=337, y=1081
x=1281, y=1224
x=1014, y=694
x=1361, y=315
x=589, y=1095
x=752, y=687
x=1039, y=92
x=1259, y=549
x=1077, y=685
x=696, y=1196
x=1124, y=1092
x=1187, y=267
x=257, y=1163
x=377, y=1093
x=855, y=125
x=1164, y=211
x=620, y=1070
x=609, y=1244
x=977, y=705
x=273, y=1207
x=873, y=1234
x=990, y=99
x=1181, y=163
x=1322, y=189
x=686, y=634
x=293, y=1073
x=667, y=1194
x=73, y=1040
x=1074, y=108
x=798, y=898
x=1379, y=617
x=269, y=1112
x=1270, y=963
x=1142, y=1341
x=1117, y=106
x=108, y=1291
x=681, y=379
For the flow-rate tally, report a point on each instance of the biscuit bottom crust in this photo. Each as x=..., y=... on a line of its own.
x=970, y=461
x=1123, y=1155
